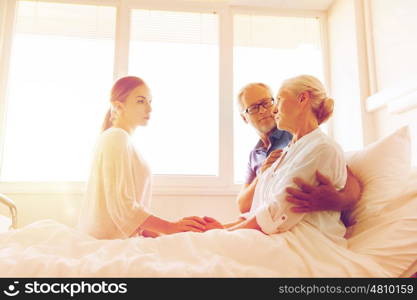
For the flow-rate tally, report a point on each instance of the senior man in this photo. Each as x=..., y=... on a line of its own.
x=256, y=103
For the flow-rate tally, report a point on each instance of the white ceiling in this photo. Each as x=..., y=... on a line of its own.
x=283, y=4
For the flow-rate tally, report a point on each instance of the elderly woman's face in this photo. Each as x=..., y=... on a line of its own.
x=287, y=111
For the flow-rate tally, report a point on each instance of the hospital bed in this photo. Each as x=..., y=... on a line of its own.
x=5, y=222
x=382, y=242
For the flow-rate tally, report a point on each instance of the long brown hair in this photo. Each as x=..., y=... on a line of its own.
x=119, y=92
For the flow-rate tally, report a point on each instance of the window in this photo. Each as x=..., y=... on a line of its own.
x=60, y=74
x=3, y=8
x=177, y=54
x=63, y=58
x=270, y=49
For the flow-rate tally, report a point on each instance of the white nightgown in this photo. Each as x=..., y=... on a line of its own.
x=119, y=188
x=314, y=151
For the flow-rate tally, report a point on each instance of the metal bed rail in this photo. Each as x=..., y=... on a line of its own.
x=12, y=207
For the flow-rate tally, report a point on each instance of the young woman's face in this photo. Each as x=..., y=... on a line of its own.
x=136, y=110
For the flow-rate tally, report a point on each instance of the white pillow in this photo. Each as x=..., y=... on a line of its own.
x=386, y=227
x=382, y=168
x=390, y=237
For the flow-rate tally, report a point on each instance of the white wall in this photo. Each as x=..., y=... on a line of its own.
x=3, y=5
x=394, y=30
x=372, y=46
x=2, y=21
x=344, y=74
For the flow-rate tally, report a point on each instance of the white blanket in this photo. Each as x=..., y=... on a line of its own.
x=50, y=249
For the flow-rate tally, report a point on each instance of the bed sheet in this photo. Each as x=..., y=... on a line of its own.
x=49, y=249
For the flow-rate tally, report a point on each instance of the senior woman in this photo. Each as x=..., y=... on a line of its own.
x=302, y=105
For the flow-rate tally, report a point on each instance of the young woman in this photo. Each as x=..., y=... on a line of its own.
x=119, y=188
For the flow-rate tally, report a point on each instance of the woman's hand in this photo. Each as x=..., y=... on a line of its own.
x=158, y=225
x=150, y=234
x=212, y=223
x=195, y=224
x=272, y=157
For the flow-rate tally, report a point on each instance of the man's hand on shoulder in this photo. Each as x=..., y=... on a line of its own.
x=272, y=157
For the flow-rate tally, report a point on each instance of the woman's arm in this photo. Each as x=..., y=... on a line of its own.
x=122, y=187
x=310, y=198
x=229, y=225
x=352, y=191
x=212, y=223
x=158, y=225
x=244, y=199
x=246, y=224
x=276, y=215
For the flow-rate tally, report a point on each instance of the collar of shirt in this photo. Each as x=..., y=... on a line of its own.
x=273, y=137
x=311, y=135
x=306, y=139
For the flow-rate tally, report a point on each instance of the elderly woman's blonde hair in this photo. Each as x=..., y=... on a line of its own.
x=322, y=105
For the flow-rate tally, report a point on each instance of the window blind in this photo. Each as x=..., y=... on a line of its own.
x=275, y=32
x=45, y=18
x=61, y=72
x=177, y=54
x=174, y=27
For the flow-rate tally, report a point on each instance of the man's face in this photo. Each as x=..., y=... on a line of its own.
x=262, y=120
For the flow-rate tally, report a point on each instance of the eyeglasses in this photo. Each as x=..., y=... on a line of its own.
x=254, y=109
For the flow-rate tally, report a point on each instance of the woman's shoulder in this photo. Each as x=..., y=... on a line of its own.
x=114, y=134
x=329, y=149
x=324, y=144
x=113, y=139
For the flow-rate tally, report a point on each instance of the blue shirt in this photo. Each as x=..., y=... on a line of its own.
x=279, y=139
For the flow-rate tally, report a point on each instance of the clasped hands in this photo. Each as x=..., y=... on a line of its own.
x=194, y=223
x=198, y=224
x=307, y=198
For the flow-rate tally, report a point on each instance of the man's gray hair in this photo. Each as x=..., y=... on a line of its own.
x=248, y=86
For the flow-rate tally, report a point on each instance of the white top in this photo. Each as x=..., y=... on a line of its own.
x=314, y=151
x=119, y=188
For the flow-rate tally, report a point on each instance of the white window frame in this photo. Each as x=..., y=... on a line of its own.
x=163, y=184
